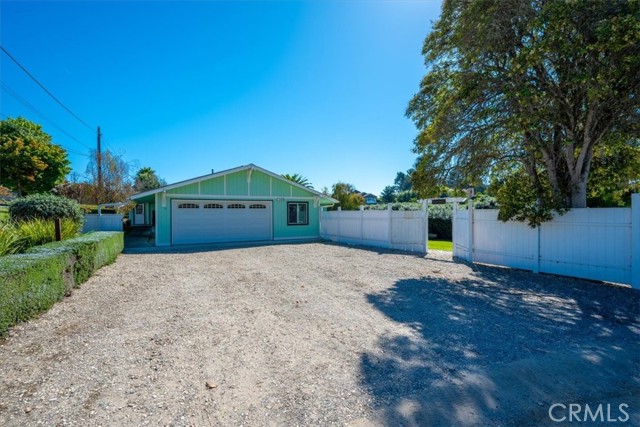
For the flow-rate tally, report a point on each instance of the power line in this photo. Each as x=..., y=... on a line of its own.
x=66, y=148
x=27, y=104
x=44, y=88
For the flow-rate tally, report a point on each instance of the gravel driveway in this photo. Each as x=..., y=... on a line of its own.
x=320, y=334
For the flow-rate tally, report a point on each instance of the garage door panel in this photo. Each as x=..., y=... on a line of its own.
x=213, y=221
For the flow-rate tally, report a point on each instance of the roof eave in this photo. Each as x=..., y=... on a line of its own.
x=227, y=172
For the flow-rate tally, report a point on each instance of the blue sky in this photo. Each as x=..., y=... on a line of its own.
x=311, y=87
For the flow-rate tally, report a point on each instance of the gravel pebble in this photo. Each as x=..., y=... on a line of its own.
x=316, y=334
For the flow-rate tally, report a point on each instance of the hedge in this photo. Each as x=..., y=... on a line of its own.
x=32, y=282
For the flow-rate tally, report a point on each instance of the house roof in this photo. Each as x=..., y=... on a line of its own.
x=366, y=195
x=251, y=166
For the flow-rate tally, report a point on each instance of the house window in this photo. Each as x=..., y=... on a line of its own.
x=258, y=206
x=139, y=209
x=236, y=206
x=297, y=213
x=188, y=206
x=213, y=206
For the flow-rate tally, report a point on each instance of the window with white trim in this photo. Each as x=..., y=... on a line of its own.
x=236, y=206
x=213, y=206
x=297, y=213
x=258, y=206
x=188, y=206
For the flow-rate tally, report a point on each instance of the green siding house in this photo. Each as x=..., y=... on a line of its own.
x=244, y=204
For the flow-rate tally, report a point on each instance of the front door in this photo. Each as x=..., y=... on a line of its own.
x=138, y=218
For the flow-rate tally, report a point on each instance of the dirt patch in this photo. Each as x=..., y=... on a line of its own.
x=317, y=334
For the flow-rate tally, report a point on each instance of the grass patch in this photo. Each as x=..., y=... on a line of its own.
x=441, y=245
x=4, y=213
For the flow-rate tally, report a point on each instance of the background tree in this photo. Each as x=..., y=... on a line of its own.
x=403, y=181
x=527, y=91
x=116, y=182
x=29, y=161
x=388, y=194
x=347, y=195
x=146, y=179
x=298, y=179
x=407, y=196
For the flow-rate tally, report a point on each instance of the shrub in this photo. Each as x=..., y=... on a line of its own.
x=440, y=217
x=34, y=281
x=45, y=206
x=408, y=206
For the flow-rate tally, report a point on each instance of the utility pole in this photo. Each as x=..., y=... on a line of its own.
x=99, y=164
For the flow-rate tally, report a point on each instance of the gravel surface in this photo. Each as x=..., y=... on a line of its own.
x=320, y=334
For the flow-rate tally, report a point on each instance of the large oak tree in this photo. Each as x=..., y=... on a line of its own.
x=527, y=92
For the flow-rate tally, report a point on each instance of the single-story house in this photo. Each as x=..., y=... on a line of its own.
x=369, y=199
x=247, y=203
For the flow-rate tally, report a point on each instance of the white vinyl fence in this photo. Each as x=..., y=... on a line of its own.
x=403, y=230
x=597, y=244
x=103, y=222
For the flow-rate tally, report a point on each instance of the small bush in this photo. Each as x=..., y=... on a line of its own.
x=45, y=206
x=408, y=206
x=34, y=281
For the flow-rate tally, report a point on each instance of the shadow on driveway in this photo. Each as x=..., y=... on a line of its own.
x=500, y=347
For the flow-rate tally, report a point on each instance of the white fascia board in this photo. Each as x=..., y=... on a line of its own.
x=227, y=172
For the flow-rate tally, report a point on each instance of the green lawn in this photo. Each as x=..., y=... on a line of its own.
x=441, y=245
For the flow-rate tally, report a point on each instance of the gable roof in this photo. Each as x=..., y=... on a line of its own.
x=228, y=172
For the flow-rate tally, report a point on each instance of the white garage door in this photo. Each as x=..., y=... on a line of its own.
x=212, y=221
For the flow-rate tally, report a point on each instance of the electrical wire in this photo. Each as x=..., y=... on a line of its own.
x=26, y=103
x=68, y=150
x=44, y=88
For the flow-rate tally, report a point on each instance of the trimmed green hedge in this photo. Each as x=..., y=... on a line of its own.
x=32, y=282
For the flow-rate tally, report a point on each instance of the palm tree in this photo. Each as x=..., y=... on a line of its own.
x=298, y=179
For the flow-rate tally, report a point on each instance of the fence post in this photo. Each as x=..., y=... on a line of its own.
x=362, y=225
x=425, y=223
x=390, y=227
x=58, y=229
x=635, y=240
x=454, y=215
x=470, y=207
x=536, y=251
x=338, y=217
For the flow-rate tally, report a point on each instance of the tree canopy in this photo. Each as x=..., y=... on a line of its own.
x=347, y=195
x=529, y=93
x=298, y=179
x=29, y=161
x=146, y=179
x=116, y=182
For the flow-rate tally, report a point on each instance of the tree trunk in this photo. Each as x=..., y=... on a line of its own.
x=579, y=194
